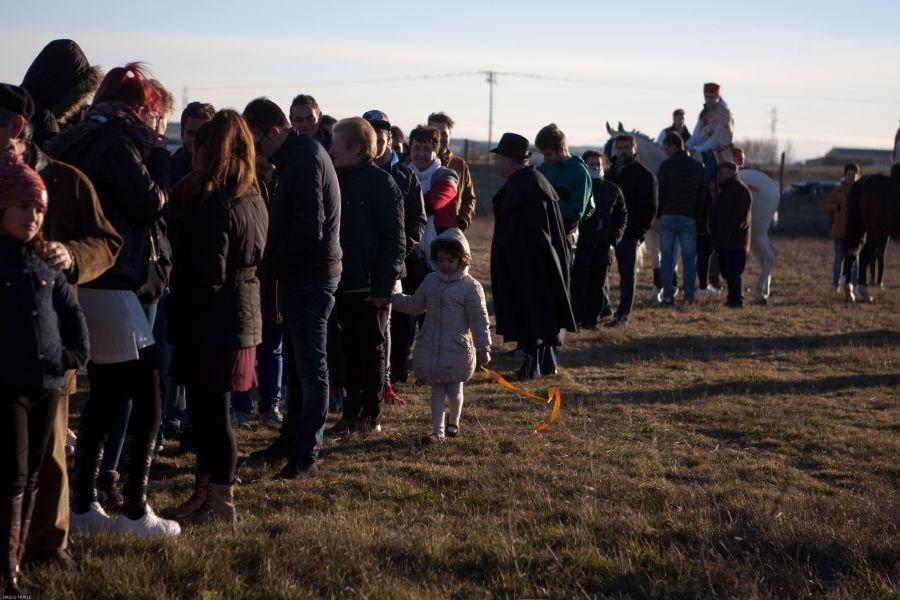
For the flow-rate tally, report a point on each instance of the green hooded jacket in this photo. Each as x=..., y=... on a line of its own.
x=573, y=185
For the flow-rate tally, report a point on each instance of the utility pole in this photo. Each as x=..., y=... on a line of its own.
x=774, y=122
x=184, y=97
x=491, y=80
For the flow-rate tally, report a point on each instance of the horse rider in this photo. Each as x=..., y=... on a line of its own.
x=714, y=133
x=677, y=126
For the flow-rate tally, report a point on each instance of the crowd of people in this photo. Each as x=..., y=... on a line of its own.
x=293, y=251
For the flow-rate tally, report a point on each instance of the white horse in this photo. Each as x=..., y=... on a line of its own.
x=764, y=210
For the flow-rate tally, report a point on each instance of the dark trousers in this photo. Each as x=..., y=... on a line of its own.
x=363, y=329
x=590, y=284
x=707, y=263
x=26, y=421
x=540, y=359
x=111, y=385
x=626, y=259
x=213, y=436
x=732, y=265
x=403, y=331
x=307, y=310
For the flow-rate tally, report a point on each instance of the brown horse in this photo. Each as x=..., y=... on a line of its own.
x=873, y=205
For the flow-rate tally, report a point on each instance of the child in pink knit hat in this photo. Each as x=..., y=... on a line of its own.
x=45, y=334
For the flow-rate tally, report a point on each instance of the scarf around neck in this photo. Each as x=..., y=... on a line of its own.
x=424, y=177
x=122, y=117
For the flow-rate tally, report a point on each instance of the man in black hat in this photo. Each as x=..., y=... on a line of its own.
x=60, y=80
x=730, y=222
x=81, y=243
x=529, y=258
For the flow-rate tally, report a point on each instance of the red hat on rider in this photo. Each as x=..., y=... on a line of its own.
x=711, y=88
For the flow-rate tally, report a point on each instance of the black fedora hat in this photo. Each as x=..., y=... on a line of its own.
x=513, y=145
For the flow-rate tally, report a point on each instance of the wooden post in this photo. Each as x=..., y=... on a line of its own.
x=781, y=187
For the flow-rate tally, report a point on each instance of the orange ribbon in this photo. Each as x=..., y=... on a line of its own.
x=552, y=398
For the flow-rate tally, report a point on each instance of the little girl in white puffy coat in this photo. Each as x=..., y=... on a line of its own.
x=455, y=337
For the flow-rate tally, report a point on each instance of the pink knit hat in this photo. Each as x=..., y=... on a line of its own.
x=19, y=182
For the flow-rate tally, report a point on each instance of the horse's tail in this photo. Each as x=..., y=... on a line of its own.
x=856, y=229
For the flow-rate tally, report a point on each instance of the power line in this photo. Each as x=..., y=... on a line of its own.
x=248, y=86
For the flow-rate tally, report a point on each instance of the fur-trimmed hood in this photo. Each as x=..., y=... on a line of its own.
x=61, y=79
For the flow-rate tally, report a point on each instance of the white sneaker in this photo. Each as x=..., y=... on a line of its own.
x=94, y=520
x=271, y=418
x=150, y=525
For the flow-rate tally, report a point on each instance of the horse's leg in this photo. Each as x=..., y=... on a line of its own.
x=866, y=258
x=766, y=253
x=850, y=258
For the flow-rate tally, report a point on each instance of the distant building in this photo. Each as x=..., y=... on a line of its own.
x=865, y=157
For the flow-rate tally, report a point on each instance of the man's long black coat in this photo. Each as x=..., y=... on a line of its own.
x=529, y=261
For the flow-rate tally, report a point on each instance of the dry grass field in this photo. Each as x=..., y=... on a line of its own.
x=700, y=452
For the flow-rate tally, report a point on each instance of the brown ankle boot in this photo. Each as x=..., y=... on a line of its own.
x=10, y=529
x=219, y=505
x=192, y=504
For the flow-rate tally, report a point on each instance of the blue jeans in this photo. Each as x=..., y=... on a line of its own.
x=306, y=309
x=269, y=365
x=839, y=264
x=683, y=229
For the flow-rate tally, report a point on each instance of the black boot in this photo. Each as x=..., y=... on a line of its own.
x=278, y=450
x=10, y=530
x=657, y=278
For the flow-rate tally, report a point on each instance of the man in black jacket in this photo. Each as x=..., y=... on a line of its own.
x=529, y=255
x=193, y=116
x=597, y=236
x=730, y=221
x=303, y=253
x=305, y=118
x=400, y=331
x=682, y=202
x=639, y=187
x=374, y=244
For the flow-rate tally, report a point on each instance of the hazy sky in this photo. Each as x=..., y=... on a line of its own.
x=829, y=68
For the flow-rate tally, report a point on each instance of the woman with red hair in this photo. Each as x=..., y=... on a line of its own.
x=118, y=148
